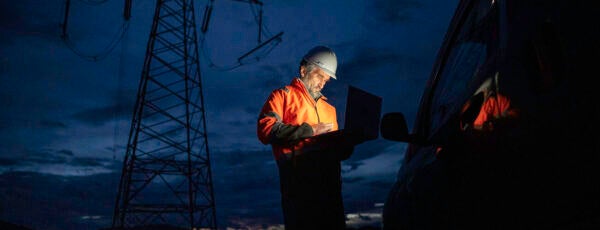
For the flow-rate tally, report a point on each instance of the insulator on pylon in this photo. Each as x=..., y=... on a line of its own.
x=206, y=18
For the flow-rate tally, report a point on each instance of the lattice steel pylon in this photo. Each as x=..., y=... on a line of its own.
x=166, y=177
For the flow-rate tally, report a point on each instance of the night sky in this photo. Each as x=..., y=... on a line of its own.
x=67, y=103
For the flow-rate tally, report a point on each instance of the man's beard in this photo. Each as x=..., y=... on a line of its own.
x=315, y=94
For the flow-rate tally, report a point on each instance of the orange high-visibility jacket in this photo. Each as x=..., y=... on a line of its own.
x=286, y=118
x=494, y=107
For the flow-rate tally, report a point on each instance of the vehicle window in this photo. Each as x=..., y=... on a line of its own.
x=471, y=47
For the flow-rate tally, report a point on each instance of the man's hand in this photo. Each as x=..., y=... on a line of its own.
x=321, y=128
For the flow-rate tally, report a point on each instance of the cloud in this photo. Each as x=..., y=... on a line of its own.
x=275, y=76
x=65, y=152
x=363, y=63
x=368, y=150
x=231, y=129
x=101, y=115
x=364, y=220
x=53, y=202
x=381, y=163
x=242, y=122
x=246, y=186
x=8, y=162
x=19, y=123
x=55, y=162
x=22, y=18
x=394, y=11
x=253, y=110
x=52, y=124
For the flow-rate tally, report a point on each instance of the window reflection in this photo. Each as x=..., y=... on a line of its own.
x=471, y=49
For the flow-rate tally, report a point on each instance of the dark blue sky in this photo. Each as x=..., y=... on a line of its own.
x=65, y=119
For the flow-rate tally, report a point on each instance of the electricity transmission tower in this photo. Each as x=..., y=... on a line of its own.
x=166, y=177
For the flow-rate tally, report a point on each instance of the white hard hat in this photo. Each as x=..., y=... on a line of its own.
x=324, y=58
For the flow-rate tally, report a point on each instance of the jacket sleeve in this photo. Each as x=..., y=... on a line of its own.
x=271, y=129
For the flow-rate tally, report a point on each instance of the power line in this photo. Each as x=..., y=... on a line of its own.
x=107, y=49
x=116, y=39
x=261, y=50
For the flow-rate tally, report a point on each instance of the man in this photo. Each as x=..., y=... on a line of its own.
x=496, y=108
x=291, y=120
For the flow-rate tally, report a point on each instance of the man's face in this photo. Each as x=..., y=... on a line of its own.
x=314, y=80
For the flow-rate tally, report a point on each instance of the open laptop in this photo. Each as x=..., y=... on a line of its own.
x=362, y=115
x=363, y=111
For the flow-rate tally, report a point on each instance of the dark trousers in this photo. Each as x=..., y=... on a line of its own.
x=311, y=193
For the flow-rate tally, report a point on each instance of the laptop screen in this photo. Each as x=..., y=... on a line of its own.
x=363, y=112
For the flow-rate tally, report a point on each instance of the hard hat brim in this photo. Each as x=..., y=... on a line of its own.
x=329, y=72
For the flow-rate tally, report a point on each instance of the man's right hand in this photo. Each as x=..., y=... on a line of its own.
x=321, y=128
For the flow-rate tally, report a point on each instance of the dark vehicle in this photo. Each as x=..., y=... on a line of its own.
x=506, y=136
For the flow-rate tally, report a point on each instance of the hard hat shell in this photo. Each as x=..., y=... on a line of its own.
x=324, y=58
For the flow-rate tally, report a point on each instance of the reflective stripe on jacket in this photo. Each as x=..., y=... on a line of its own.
x=286, y=118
